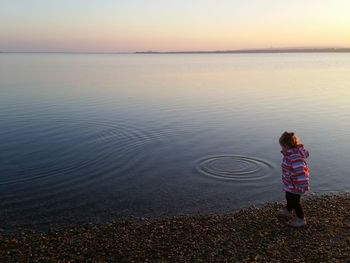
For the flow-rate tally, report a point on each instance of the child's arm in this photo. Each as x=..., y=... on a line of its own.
x=300, y=174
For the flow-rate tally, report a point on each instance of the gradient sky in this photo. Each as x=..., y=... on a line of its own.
x=164, y=25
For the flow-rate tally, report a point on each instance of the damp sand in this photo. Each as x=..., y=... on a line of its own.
x=248, y=235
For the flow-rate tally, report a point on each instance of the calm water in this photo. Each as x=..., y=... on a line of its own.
x=89, y=137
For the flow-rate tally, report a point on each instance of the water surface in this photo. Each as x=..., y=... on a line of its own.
x=89, y=137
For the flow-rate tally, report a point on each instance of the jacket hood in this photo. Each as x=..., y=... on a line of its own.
x=297, y=150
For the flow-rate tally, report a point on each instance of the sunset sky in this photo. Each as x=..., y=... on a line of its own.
x=164, y=25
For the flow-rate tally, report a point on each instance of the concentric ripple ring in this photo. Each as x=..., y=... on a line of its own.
x=235, y=167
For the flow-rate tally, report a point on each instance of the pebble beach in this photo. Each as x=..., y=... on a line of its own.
x=254, y=234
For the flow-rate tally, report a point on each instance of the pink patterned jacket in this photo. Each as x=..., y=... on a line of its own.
x=295, y=173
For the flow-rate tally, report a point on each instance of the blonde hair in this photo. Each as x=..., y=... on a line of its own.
x=289, y=140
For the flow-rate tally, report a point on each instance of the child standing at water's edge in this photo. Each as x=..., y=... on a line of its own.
x=295, y=176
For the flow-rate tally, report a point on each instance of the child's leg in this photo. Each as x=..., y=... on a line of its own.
x=293, y=202
x=290, y=202
x=297, y=207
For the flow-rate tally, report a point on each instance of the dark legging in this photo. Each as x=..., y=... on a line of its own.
x=293, y=202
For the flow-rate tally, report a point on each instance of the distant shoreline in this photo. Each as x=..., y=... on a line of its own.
x=254, y=51
x=238, y=51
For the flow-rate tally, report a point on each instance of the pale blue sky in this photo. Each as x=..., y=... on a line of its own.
x=130, y=25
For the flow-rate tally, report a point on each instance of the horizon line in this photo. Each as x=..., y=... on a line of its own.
x=234, y=51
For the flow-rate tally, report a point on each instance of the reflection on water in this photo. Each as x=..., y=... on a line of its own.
x=86, y=137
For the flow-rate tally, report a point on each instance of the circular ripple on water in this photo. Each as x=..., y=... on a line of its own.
x=84, y=149
x=235, y=167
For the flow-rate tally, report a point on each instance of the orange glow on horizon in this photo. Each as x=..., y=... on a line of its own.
x=185, y=26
